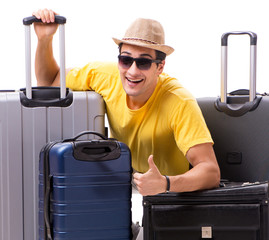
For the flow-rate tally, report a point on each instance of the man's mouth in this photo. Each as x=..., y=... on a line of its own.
x=134, y=80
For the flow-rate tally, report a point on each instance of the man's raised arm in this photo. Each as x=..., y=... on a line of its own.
x=46, y=67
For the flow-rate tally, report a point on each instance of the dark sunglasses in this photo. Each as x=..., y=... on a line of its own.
x=142, y=63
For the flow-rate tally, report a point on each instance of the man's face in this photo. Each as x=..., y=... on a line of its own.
x=139, y=84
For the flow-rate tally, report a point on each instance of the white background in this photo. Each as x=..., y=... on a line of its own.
x=193, y=28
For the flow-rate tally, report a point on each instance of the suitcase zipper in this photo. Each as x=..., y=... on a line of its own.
x=47, y=189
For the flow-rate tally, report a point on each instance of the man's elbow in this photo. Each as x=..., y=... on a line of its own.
x=215, y=182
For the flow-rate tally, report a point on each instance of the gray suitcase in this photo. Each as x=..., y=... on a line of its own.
x=239, y=126
x=29, y=119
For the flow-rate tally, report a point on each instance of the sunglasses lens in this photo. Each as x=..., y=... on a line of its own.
x=126, y=61
x=143, y=63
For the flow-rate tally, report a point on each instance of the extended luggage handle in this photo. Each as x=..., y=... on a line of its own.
x=224, y=59
x=28, y=22
x=222, y=103
x=32, y=19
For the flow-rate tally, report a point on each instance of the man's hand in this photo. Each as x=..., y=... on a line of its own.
x=151, y=182
x=47, y=28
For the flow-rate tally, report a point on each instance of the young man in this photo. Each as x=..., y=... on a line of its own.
x=148, y=110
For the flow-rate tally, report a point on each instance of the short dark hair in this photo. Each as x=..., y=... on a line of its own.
x=159, y=55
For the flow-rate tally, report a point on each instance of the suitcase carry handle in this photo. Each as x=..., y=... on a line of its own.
x=95, y=150
x=27, y=22
x=86, y=133
x=222, y=104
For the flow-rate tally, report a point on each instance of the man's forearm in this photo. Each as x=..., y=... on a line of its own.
x=46, y=67
x=203, y=176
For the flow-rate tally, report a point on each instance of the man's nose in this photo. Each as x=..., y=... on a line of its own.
x=133, y=68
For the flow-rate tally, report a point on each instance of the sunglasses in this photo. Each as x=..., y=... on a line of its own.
x=141, y=63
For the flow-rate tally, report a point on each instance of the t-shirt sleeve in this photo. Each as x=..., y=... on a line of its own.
x=93, y=76
x=189, y=126
x=79, y=79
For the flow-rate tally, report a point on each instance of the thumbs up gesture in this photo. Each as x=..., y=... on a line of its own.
x=151, y=182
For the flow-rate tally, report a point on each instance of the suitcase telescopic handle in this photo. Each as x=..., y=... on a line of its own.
x=253, y=56
x=27, y=22
x=222, y=104
x=252, y=35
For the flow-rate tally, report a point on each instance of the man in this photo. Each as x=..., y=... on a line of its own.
x=148, y=110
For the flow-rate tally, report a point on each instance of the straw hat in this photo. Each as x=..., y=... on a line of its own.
x=146, y=33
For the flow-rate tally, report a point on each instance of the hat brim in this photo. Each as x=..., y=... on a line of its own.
x=160, y=47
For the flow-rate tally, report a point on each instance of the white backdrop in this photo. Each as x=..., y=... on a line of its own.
x=193, y=28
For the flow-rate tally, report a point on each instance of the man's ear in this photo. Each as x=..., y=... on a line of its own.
x=161, y=67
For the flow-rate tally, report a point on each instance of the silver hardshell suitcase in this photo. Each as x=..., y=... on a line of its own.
x=29, y=119
x=238, y=123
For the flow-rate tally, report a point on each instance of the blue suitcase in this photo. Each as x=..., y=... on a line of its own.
x=85, y=189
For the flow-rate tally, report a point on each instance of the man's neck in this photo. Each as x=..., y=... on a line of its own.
x=134, y=103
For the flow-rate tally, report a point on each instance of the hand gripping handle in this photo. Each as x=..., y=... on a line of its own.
x=32, y=19
x=27, y=22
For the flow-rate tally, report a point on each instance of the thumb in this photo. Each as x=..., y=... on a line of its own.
x=151, y=163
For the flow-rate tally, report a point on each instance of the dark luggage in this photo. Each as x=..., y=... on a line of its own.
x=85, y=190
x=234, y=212
x=238, y=123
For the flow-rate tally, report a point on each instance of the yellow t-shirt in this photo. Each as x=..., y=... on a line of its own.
x=166, y=126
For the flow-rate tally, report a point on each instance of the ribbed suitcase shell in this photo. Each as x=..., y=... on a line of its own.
x=26, y=125
x=23, y=133
x=236, y=211
x=90, y=199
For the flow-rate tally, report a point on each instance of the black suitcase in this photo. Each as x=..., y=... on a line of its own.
x=238, y=123
x=237, y=211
